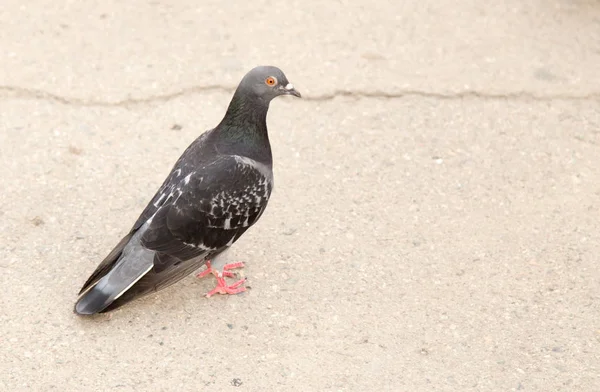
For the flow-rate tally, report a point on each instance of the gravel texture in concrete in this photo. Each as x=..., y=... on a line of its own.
x=435, y=219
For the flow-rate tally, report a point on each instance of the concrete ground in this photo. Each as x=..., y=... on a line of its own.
x=435, y=221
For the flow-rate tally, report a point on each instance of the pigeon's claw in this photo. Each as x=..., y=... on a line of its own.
x=222, y=287
x=229, y=266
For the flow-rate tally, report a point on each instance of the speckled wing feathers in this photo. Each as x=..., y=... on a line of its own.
x=209, y=212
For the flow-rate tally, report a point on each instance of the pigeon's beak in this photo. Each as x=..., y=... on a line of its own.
x=290, y=90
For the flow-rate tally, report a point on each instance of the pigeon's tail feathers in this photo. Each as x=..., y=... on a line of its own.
x=128, y=271
x=135, y=262
x=92, y=301
x=153, y=281
x=107, y=264
x=105, y=292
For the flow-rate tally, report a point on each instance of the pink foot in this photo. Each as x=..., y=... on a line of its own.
x=222, y=287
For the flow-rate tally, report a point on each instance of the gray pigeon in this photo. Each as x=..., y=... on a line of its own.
x=217, y=189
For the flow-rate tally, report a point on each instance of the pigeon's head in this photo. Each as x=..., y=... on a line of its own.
x=267, y=82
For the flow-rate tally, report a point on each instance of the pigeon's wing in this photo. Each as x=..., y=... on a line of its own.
x=210, y=210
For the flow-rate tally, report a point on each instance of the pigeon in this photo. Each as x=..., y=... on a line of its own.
x=217, y=190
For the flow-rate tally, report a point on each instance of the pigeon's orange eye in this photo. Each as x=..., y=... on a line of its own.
x=271, y=81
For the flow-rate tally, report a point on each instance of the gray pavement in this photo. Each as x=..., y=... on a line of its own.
x=435, y=220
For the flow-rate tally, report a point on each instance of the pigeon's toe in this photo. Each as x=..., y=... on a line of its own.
x=224, y=288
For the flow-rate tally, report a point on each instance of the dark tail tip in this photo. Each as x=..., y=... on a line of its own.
x=92, y=302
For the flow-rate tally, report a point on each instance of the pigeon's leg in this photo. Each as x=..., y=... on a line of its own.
x=222, y=286
x=209, y=270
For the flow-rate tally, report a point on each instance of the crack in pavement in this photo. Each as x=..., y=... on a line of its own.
x=25, y=93
x=33, y=94
x=520, y=95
